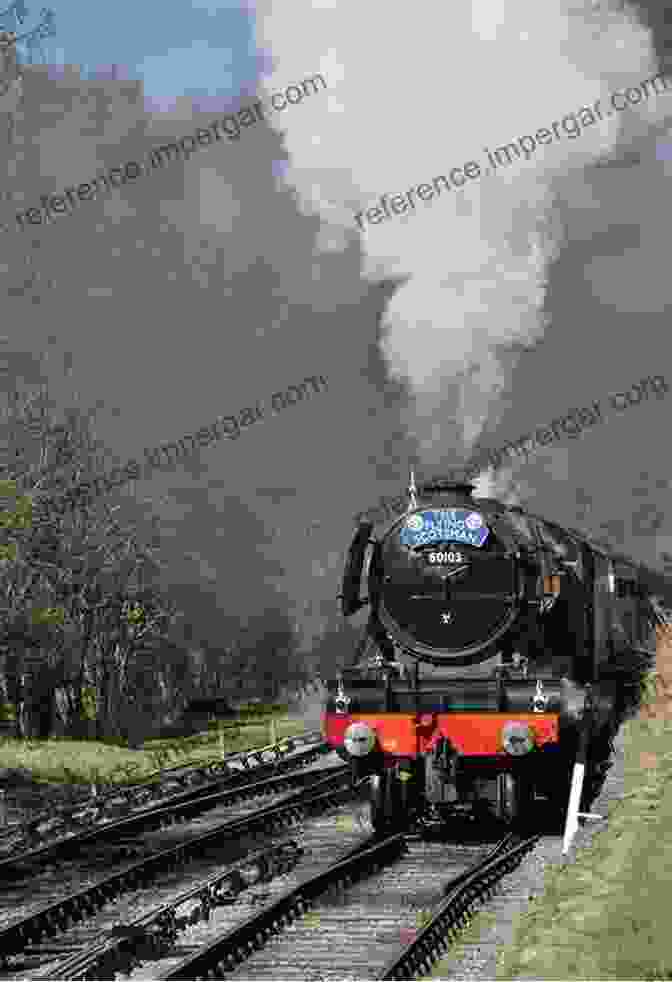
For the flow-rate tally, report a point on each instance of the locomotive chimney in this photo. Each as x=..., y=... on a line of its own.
x=460, y=492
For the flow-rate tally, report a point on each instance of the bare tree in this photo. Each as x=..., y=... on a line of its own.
x=82, y=604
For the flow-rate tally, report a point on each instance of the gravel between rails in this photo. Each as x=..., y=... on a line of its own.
x=477, y=960
x=347, y=934
x=325, y=839
x=60, y=880
x=126, y=909
x=353, y=934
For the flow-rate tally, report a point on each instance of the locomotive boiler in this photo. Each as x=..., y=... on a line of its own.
x=498, y=646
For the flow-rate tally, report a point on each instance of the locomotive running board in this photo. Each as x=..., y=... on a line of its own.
x=573, y=813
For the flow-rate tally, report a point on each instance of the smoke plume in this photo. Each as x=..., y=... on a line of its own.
x=408, y=100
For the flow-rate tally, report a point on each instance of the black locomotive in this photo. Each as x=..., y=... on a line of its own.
x=496, y=642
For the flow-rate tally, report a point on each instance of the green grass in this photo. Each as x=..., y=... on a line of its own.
x=605, y=916
x=94, y=762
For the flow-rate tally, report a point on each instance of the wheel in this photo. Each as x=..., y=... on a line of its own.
x=386, y=814
x=507, y=803
x=515, y=797
x=377, y=801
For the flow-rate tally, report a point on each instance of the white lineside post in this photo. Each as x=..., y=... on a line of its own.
x=572, y=822
x=578, y=775
x=273, y=732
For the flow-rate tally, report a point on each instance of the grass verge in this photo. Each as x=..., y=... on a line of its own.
x=603, y=917
x=92, y=762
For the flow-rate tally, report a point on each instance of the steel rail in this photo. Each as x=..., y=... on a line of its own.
x=233, y=947
x=182, y=774
x=91, y=810
x=462, y=893
x=332, y=790
x=184, y=805
x=223, y=955
x=154, y=934
x=149, y=936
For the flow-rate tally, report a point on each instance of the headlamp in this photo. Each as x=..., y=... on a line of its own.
x=517, y=738
x=359, y=739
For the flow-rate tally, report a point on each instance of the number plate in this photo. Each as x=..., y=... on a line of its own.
x=446, y=557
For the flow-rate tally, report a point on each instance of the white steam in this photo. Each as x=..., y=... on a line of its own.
x=504, y=485
x=412, y=93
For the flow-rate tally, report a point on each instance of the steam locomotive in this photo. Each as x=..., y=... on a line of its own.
x=498, y=646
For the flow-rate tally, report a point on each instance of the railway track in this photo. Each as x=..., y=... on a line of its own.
x=384, y=887
x=151, y=925
x=461, y=895
x=148, y=938
x=65, y=821
x=367, y=914
x=99, y=954
x=185, y=805
x=28, y=935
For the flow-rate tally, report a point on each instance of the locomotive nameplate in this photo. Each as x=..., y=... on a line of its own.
x=444, y=525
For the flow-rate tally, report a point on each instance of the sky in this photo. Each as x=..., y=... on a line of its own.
x=199, y=49
x=216, y=282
